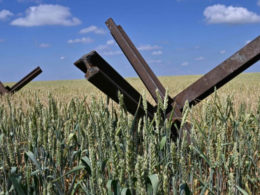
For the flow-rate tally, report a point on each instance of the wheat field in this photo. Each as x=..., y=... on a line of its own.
x=61, y=137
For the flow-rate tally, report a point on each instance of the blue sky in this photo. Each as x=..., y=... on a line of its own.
x=176, y=37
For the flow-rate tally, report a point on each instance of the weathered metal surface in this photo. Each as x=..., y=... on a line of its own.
x=196, y=92
x=105, y=78
x=220, y=75
x=28, y=78
x=149, y=79
x=21, y=83
x=3, y=90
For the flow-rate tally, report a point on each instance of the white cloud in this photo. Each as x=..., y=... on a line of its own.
x=34, y=1
x=185, y=64
x=4, y=14
x=47, y=14
x=106, y=46
x=112, y=53
x=101, y=47
x=222, y=51
x=44, y=45
x=258, y=3
x=93, y=29
x=111, y=42
x=106, y=49
x=229, y=15
x=199, y=58
x=81, y=40
x=148, y=47
x=159, y=52
x=62, y=58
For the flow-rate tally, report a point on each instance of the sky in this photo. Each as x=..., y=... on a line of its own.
x=176, y=37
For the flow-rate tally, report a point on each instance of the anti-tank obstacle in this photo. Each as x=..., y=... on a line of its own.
x=19, y=85
x=104, y=77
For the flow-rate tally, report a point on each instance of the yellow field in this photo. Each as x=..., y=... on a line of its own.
x=51, y=143
x=244, y=89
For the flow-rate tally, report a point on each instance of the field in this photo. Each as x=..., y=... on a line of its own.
x=63, y=137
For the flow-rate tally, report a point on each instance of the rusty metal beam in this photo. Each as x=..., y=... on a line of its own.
x=28, y=78
x=105, y=78
x=196, y=92
x=145, y=73
x=220, y=75
x=3, y=90
x=149, y=79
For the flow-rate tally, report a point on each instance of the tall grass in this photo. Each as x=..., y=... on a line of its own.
x=52, y=147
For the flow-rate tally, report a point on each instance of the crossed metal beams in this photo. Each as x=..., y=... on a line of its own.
x=104, y=77
x=24, y=81
x=109, y=81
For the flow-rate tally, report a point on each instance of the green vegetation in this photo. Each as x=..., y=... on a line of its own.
x=66, y=143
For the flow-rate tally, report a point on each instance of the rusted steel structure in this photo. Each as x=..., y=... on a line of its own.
x=19, y=85
x=220, y=75
x=105, y=78
x=109, y=81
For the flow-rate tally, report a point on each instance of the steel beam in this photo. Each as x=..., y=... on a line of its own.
x=105, y=78
x=196, y=92
x=220, y=75
x=3, y=90
x=28, y=78
x=149, y=79
x=145, y=73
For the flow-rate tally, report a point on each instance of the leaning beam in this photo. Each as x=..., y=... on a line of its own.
x=105, y=78
x=220, y=75
x=3, y=90
x=28, y=78
x=147, y=76
x=149, y=79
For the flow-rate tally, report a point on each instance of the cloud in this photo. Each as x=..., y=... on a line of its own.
x=258, y=3
x=4, y=14
x=222, y=51
x=199, y=58
x=148, y=47
x=93, y=29
x=44, y=45
x=47, y=14
x=102, y=47
x=81, y=40
x=112, y=53
x=218, y=13
x=33, y=1
x=159, y=52
x=106, y=46
x=111, y=42
x=185, y=64
x=106, y=49
x=62, y=58
x=2, y=40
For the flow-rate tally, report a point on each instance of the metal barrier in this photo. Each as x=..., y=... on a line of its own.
x=104, y=77
x=19, y=85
